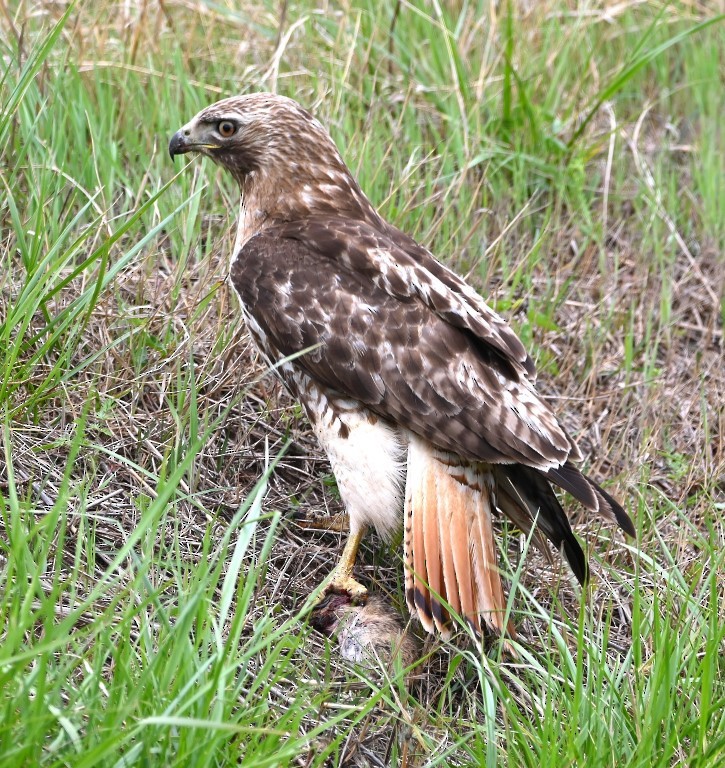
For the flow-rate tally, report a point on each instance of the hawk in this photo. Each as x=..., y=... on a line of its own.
x=421, y=395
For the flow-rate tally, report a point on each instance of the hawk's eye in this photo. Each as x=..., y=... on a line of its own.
x=226, y=128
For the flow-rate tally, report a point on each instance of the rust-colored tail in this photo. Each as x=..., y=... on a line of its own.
x=450, y=551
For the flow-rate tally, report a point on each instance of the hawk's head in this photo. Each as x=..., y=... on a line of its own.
x=257, y=132
x=284, y=160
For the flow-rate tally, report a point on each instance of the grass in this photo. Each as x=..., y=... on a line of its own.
x=570, y=160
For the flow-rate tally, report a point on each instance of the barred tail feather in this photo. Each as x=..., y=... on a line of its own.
x=450, y=550
x=486, y=568
x=416, y=592
x=430, y=557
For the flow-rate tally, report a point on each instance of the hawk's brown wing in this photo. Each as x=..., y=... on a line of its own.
x=395, y=354
x=404, y=269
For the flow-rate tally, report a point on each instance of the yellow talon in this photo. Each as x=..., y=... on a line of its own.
x=342, y=578
x=354, y=588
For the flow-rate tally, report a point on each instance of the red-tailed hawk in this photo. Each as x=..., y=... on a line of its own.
x=421, y=395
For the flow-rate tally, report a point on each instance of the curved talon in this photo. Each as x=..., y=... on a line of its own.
x=342, y=578
x=347, y=588
x=342, y=582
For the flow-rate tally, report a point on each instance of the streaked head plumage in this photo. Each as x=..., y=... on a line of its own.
x=283, y=159
x=253, y=132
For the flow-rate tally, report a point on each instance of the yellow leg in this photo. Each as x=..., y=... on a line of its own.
x=342, y=578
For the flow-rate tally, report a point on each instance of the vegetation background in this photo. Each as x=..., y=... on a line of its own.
x=569, y=158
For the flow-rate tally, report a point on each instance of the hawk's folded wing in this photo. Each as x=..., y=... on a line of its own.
x=397, y=338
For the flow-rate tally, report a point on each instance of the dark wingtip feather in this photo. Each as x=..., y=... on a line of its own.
x=591, y=495
x=525, y=494
x=624, y=521
x=527, y=490
x=576, y=558
x=572, y=480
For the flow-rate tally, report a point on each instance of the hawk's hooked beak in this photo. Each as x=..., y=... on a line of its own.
x=178, y=144
x=182, y=142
